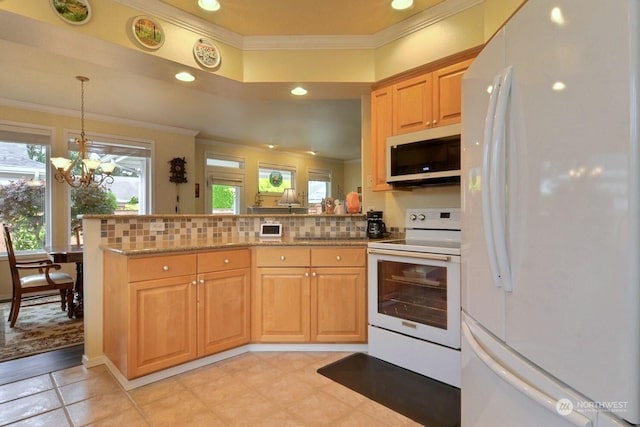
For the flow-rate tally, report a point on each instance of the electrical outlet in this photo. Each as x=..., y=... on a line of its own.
x=156, y=226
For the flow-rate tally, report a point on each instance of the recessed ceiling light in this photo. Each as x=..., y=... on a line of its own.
x=298, y=91
x=313, y=153
x=401, y=4
x=271, y=146
x=210, y=5
x=184, y=76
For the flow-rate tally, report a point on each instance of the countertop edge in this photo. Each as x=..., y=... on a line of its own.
x=207, y=246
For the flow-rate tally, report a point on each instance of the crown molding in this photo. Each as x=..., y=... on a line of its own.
x=205, y=28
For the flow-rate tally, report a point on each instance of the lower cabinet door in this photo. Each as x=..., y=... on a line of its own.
x=163, y=324
x=281, y=305
x=223, y=310
x=338, y=305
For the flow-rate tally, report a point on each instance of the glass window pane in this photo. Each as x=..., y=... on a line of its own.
x=225, y=199
x=274, y=180
x=23, y=190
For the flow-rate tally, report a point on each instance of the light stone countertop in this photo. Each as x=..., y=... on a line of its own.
x=159, y=247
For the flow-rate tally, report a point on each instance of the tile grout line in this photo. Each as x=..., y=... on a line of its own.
x=59, y=394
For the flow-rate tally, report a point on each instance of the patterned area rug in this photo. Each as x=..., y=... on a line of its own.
x=39, y=328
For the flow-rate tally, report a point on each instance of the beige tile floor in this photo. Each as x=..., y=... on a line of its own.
x=254, y=389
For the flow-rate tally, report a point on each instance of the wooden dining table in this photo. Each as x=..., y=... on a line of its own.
x=71, y=254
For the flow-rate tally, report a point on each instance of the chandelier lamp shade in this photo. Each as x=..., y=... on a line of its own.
x=92, y=171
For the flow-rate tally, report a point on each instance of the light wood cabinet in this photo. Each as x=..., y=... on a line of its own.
x=316, y=295
x=224, y=279
x=381, y=128
x=430, y=99
x=412, y=104
x=447, y=93
x=174, y=308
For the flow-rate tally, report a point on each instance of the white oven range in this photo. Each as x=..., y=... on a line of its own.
x=414, y=295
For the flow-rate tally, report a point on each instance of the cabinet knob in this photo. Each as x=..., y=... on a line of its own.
x=428, y=123
x=165, y=267
x=193, y=282
x=314, y=274
x=306, y=274
x=282, y=257
x=201, y=281
x=226, y=261
x=338, y=258
x=434, y=122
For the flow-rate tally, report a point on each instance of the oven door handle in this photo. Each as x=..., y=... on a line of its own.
x=434, y=257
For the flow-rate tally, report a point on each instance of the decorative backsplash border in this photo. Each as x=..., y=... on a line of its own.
x=136, y=229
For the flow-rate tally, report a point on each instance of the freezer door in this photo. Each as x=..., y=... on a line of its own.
x=501, y=389
x=572, y=158
x=481, y=296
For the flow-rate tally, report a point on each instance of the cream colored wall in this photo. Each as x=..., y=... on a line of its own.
x=447, y=37
x=496, y=12
x=352, y=175
x=252, y=157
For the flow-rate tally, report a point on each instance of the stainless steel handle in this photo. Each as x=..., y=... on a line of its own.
x=409, y=324
x=407, y=254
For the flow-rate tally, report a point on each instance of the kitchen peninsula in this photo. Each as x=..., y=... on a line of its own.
x=189, y=268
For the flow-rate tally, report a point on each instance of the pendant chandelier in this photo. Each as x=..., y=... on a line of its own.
x=93, y=172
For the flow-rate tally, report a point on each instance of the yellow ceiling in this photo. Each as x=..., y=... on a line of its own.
x=303, y=17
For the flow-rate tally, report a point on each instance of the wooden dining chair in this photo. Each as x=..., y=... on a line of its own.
x=33, y=285
x=77, y=232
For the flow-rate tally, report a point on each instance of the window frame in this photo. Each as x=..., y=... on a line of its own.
x=43, y=135
x=226, y=176
x=278, y=167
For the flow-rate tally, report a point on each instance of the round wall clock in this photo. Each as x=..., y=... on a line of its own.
x=206, y=53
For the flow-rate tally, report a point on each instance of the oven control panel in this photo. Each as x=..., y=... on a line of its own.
x=433, y=218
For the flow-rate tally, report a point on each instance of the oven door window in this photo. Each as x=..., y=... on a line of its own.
x=417, y=293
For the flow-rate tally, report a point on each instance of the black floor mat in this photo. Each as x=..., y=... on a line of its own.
x=424, y=400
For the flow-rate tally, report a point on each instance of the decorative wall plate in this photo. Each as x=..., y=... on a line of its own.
x=206, y=53
x=275, y=178
x=76, y=12
x=147, y=32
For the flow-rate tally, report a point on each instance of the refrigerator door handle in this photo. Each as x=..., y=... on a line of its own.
x=548, y=402
x=498, y=181
x=485, y=180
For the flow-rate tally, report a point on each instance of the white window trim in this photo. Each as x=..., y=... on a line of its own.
x=289, y=168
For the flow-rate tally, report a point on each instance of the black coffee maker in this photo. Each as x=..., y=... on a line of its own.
x=375, y=225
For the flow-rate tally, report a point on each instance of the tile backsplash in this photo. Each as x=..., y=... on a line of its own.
x=136, y=229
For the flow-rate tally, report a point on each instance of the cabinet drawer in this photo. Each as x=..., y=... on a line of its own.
x=159, y=267
x=286, y=256
x=331, y=257
x=223, y=260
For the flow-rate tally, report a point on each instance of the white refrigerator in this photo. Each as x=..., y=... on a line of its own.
x=551, y=219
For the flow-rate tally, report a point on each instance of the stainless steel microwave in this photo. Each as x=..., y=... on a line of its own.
x=427, y=157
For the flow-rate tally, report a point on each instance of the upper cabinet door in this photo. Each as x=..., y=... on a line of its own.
x=447, y=93
x=412, y=104
x=381, y=117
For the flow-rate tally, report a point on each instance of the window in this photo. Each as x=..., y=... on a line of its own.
x=130, y=191
x=24, y=156
x=275, y=178
x=319, y=185
x=225, y=184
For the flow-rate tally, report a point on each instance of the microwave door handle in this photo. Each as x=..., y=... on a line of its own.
x=498, y=182
x=486, y=182
x=419, y=255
